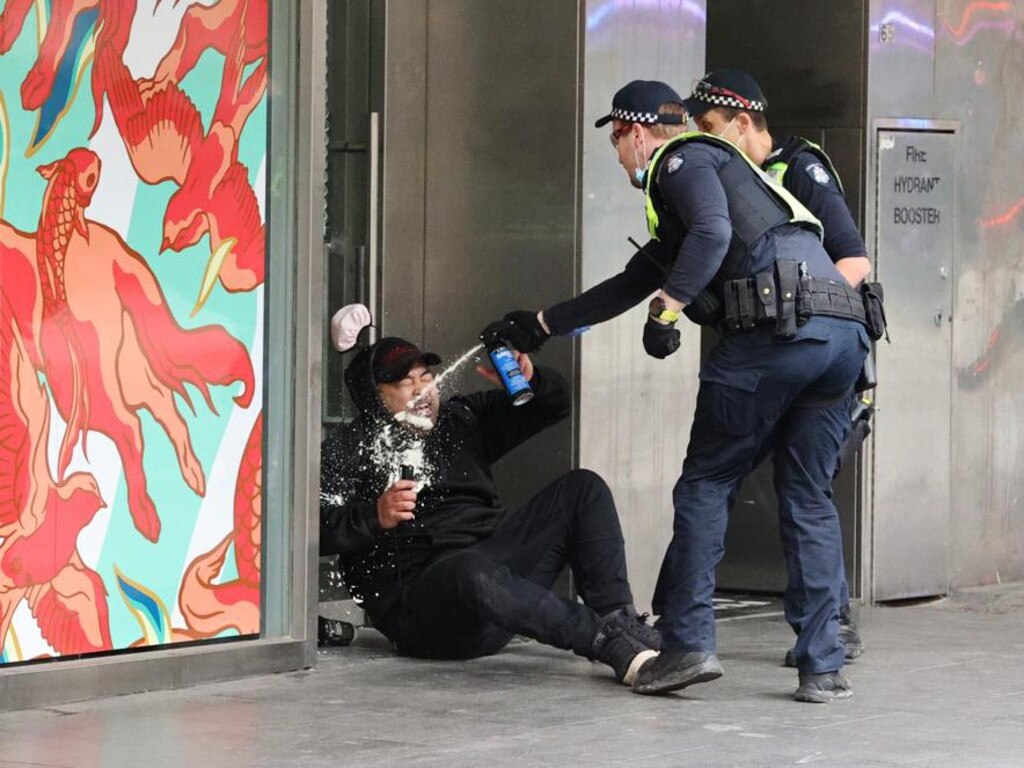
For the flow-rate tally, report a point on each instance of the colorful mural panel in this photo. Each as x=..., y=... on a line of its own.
x=133, y=138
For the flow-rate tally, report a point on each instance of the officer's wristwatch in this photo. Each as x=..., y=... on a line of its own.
x=660, y=312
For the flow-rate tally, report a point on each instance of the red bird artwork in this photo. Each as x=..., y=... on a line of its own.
x=110, y=346
x=41, y=517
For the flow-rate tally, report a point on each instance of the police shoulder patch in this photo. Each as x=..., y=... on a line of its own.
x=674, y=164
x=819, y=174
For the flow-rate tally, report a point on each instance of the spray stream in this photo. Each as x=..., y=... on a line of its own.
x=412, y=418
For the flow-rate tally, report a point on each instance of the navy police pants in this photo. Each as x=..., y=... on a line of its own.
x=796, y=394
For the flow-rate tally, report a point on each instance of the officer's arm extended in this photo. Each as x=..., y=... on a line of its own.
x=642, y=276
x=814, y=186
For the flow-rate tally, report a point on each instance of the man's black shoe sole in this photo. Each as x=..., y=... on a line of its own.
x=704, y=672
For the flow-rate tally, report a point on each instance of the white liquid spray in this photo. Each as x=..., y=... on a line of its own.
x=411, y=406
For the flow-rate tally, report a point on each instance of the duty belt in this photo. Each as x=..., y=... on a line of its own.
x=785, y=298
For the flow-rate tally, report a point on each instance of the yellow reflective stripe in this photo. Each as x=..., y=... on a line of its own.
x=652, y=213
x=777, y=171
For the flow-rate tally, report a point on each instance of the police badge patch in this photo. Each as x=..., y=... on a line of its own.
x=819, y=174
x=674, y=164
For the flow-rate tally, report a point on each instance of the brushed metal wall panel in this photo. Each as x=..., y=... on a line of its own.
x=497, y=211
x=404, y=165
x=964, y=61
x=901, y=59
x=635, y=411
x=979, y=79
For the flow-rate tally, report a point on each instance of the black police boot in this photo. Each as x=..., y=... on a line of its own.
x=331, y=632
x=848, y=636
x=673, y=670
x=635, y=625
x=824, y=688
x=622, y=652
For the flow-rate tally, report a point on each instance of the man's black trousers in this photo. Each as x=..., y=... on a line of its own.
x=471, y=602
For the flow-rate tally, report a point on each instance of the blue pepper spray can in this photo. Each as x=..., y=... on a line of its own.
x=508, y=370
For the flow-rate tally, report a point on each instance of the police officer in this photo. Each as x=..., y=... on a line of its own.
x=729, y=103
x=793, y=345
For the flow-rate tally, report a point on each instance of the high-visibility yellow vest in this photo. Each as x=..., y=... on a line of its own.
x=762, y=197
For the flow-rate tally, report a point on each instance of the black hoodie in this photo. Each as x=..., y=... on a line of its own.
x=458, y=506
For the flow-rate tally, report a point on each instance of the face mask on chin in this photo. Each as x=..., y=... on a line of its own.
x=640, y=172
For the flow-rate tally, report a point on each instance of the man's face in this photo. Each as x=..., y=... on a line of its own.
x=739, y=130
x=414, y=399
x=628, y=140
x=714, y=122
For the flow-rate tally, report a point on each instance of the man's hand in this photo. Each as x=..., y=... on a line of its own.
x=397, y=504
x=522, y=360
x=660, y=339
x=522, y=329
x=854, y=269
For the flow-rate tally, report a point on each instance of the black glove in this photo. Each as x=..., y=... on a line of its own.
x=660, y=340
x=521, y=329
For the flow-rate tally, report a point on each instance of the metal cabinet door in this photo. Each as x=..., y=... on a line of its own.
x=915, y=220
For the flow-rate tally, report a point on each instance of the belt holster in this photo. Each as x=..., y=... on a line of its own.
x=868, y=378
x=874, y=310
x=739, y=307
x=765, y=282
x=787, y=276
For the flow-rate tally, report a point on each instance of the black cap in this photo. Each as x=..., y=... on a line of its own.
x=726, y=88
x=393, y=358
x=639, y=101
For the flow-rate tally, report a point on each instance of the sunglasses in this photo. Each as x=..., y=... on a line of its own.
x=617, y=134
x=702, y=88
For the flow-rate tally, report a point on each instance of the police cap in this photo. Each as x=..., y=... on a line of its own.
x=395, y=357
x=725, y=88
x=639, y=101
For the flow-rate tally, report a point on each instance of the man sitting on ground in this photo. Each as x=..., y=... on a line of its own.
x=442, y=568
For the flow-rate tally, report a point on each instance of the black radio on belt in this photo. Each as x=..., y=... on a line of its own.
x=787, y=297
x=874, y=310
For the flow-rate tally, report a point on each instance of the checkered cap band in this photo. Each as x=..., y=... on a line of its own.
x=634, y=117
x=723, y=97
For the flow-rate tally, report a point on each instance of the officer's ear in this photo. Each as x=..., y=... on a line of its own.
x=754, y=122
x=743, y=122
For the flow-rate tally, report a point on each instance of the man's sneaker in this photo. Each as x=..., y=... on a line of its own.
x=635, y=625
x=673, y=670
x=824, y=688
x=622, y=652
x=848, y=636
